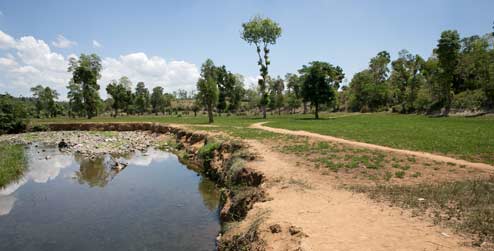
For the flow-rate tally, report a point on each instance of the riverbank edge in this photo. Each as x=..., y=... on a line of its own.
x=222, y=161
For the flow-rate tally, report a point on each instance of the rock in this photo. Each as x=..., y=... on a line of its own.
x=296, y=231
x=276, y=228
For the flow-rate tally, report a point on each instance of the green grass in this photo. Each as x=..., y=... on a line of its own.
x=465, y=205
x=467, y=138
x=12, y=163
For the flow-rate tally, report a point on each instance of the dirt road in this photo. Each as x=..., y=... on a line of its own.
x=336, y=219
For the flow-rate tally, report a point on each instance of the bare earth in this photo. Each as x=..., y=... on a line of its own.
x=430, y=156
x=335, y=219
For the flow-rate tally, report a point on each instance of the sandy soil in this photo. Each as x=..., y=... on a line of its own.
x=335, y=219
x=375, y=147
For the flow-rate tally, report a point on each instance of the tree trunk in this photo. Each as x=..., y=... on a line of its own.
x=305, y=107
x=279, y=111
x=210, y=114
x=317, y=110
x=263, y=109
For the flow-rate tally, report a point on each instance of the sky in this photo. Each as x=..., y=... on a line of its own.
x=165, y=42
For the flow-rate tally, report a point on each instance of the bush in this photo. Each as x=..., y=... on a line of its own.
x=13, y=115
x=39, y=128
x=207, y=150
x=469, y=100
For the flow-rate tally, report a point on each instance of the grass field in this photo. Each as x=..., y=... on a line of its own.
x=12, y=163
x=468, y=138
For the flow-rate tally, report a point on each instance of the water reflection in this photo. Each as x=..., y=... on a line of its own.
x=154, y=204
x=94, y=172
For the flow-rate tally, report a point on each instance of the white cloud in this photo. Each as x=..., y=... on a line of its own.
x=96, y=44
x=63, y=42
x=27, y=61
x=153, y=71
x=6, y=41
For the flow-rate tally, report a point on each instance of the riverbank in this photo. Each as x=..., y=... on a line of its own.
x=12, y=162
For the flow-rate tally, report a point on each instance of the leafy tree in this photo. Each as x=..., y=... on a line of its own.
x=448, y=49
x=321, y=80
x=378, y=66
x=276, y=88
x=141, y=98
x=294, y=97
x=406, y=79
x=207, y=88
x=85, y=73
x=167, y=99
x=262, y=32
x=237, y=92
x=45, y=101
x=76, y=106
x=119, y=93
x=13, y=115
x=158, y=100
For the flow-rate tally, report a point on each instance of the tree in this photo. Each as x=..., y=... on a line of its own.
x=76, y=107
x=237, y=93
x=276, y=88
x=158, y=100
x=294, y=97
x=141, y=98
x=447, y=50
x=405, y=80
x=13, y=115
x=262, y=32
x=207, y=88
x=321, y=80
x=45, y=101
x=118, y=92
x=378, y=66
x=85, y=73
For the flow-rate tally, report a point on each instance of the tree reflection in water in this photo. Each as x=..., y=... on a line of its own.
x=95, y=172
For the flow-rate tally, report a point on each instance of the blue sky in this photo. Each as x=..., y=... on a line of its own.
x=164, y=42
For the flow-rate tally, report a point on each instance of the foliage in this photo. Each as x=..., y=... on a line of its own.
x=321, y=80
x=13, y=115
x=207, y=87
x=85, y=73
x=141, y=98
x=45, y=101
x=276, y=88
x=262, y=32
x=120, y=93
x=469, y=100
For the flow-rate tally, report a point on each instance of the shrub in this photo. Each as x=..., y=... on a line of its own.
x=207, y=150
x=469, y=100
x=13, y=115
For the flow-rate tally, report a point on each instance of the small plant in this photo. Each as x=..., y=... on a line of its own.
x=412, y=159
x=207, y=150
x=417, y=174
x=388, y=175
x=400, y=174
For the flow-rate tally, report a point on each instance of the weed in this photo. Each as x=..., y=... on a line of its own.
x=400, y=174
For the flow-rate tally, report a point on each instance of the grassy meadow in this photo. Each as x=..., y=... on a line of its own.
x=12, y=163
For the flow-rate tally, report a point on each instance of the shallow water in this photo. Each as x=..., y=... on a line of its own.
x=64, y=202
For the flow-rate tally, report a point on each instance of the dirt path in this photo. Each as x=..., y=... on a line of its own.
x=336, y=219
x=430, y=156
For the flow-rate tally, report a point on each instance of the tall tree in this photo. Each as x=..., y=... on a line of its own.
x=76, y=106
x=448, y=49
x=158, y=100
x=141, y=98
x=262, y=32
x=276, y=88
x=119, y=94
x=86, y=72
x=294, y=86
x=207, y=88
x=321, y=80
x=45, y=101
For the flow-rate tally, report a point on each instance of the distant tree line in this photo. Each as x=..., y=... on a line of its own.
x=459, y=76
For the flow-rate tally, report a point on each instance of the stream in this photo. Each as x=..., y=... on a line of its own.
x=67, y=202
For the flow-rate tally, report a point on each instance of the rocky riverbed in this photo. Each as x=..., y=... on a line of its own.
x=90, y=143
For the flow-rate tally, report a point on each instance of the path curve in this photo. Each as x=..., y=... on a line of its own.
x=427, y=155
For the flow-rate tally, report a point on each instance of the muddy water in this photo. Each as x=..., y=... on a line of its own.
x=64, y=202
